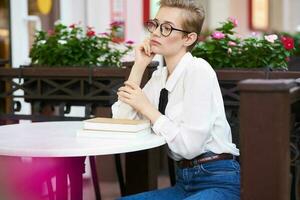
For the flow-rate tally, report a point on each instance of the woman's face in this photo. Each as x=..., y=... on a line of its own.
x=173, y=43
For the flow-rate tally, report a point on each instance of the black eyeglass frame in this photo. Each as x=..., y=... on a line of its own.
x=160, y=28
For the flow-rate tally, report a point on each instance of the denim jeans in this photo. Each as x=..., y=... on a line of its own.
x=216, y=180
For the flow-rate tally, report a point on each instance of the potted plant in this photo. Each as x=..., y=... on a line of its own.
x=223, y=49
x=77, y=66
x=74, y=47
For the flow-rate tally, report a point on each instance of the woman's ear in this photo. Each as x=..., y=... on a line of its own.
x=190, y=39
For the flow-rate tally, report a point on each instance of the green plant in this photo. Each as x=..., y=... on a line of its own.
x=296, y=37
x=74, y=46
x=225, y=50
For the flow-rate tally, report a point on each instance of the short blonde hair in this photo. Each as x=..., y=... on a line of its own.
x=193, y=16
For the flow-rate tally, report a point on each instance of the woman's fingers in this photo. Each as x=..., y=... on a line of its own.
x=124, y=94
x=147, y=47
x=126, y=89
x=123, y=99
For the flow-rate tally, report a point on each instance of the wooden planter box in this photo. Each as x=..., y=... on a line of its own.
x=76, y=85
x=294, y=63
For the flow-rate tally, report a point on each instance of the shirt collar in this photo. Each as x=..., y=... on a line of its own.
x=176, y=74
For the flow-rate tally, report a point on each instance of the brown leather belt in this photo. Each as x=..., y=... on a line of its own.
x=204, y=158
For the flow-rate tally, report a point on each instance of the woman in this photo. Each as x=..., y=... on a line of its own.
x=183, y=101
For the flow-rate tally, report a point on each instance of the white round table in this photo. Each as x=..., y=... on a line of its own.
x=59, y=140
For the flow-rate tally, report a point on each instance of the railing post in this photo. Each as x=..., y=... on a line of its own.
x=265, y=114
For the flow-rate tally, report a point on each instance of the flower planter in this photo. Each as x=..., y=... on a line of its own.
x=294, y=63
x=77, y=85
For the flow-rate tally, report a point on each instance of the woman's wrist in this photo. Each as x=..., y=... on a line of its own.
x=136, y=73
x=151, y=113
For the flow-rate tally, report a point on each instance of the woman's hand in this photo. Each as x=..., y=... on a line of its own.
x=133, y=95
x=144, y=54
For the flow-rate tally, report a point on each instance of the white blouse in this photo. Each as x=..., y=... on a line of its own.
x=194, y=120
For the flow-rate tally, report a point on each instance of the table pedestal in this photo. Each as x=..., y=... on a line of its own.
x=142, y=169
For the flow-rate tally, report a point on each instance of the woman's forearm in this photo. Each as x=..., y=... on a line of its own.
x=136, y=73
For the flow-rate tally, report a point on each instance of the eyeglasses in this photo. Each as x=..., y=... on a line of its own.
x=165, y=28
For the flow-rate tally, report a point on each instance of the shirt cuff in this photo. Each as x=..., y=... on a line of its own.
x=163, y=126
x=158, y=124
x=122, y=110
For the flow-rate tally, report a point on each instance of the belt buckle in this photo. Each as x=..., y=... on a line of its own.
x=194, y=162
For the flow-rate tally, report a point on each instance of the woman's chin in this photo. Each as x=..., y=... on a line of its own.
x=156, y=50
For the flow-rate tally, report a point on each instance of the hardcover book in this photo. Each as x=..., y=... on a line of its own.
x=110, y=124
x=114, y=128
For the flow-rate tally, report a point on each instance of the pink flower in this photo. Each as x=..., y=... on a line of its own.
x=51, y=32
x=218, y=35
x=104, y=34
x=129, y=42
x=72, y=26
x=231, y=43
x=234, y=21
x=254, y=34
x=271, y=38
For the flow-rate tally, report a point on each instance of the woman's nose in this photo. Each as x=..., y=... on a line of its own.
x=157, y=31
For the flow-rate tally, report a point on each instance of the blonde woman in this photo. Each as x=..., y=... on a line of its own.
x=183, y=101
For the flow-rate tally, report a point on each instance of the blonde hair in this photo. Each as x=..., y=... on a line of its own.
x=193, y=17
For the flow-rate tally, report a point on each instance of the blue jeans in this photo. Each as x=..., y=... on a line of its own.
x=217, y=180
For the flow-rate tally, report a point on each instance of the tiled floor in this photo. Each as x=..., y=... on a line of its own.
x=110, y=190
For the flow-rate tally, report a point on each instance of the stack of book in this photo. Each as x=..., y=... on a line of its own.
x=114, y=128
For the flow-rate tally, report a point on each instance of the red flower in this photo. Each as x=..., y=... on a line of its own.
x=116, y=23
x=51, y=32
x=90, y=33
x=287, y=42
x=72, y=26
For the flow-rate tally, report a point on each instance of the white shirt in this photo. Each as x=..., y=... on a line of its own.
x=194, y=120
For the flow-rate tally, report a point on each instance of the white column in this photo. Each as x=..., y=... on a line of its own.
x=73, y=11
x=19, y=33
x=217, y=11
x=286, y=21
x=294, y=14
x=98, y=14
x=276, y=15
x=239, y=10
x=19, y=42
x=134, y=21
x=285, y=15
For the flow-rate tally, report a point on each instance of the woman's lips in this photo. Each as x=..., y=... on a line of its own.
x=154, y=42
